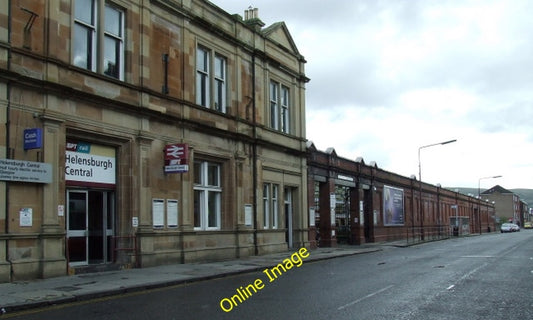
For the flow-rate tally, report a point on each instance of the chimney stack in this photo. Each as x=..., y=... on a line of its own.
x=251, y=13
x=251, y=18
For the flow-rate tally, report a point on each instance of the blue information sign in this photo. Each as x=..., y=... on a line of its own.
x=33, y=138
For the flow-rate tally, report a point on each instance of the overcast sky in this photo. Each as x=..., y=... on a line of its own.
x=390, y=76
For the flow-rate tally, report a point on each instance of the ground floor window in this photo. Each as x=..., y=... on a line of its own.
x=342, y=213
x=207, y=195
x=270, y=206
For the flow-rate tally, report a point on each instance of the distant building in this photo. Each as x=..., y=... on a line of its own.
x=508, y=204
x=524, y=212
x=157, y=132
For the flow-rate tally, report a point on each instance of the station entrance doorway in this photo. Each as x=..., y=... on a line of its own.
x=90, y=176
x=90, y=226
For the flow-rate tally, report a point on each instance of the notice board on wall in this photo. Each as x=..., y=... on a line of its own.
x=158, y=213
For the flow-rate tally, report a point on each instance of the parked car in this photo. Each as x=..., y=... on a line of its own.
x=506, y=227
x=515, y=227
x=528, y=225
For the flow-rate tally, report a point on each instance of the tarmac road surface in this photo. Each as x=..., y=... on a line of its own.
x=480, y=277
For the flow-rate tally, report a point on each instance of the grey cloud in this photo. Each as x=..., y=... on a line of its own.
x=513, y=117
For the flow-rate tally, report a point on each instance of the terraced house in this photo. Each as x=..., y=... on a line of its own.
x=139, y=133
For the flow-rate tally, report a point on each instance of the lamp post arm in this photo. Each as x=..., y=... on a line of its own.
x=427, y=146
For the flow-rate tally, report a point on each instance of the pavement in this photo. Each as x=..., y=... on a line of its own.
x=22, y=295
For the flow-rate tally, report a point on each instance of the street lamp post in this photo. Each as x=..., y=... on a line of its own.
x=420, y=183
x=479, y=199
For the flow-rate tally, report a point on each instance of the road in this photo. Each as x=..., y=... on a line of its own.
x=480, y=277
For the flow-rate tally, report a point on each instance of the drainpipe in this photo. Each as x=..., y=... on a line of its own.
x=438, y=211
x=8, y=123
x=413, y=178
x=254, y=156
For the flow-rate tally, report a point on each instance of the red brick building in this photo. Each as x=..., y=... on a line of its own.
x=354, y=202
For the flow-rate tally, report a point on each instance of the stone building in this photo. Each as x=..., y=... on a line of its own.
x=508, y=204
x=139, y=133
x=354, y=202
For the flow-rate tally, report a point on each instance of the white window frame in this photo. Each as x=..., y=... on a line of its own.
x=275, y=206
x=220, y=83
x=96, y=39
x=202, y=76
x=90, y=27
x=285, y=110
x=270, y=206
x=118, y=42
x=280, y=116
x=274, y=105
x=207, y=190
x=266, y=205
x=211, y=79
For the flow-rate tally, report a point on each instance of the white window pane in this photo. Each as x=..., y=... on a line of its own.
x=84, y=47
x=220, y=83
x=220, y=96
x=266, y=207
x=202, y=60
x=285, y=96
x=82, y=44
x=197, y=173
x=199, y=88
x=275, y=214
x=273, y=115
x=111, y=57
x=113, y=21
x=197, y=208
x=285, y=119
x=274, y=112
x=220, y=66
x=275, y=206
x=213, y=175
x=202, y=89
x=273, y=91
x=213, y=209
x=84, y=11
x=202, y=77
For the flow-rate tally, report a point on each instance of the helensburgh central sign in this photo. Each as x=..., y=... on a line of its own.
x=90, y=164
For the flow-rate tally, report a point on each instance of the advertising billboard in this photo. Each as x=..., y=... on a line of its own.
x=393, y=209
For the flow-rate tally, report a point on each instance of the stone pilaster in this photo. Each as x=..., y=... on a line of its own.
x=52, y=236
x=144, y=196
x=5, y=269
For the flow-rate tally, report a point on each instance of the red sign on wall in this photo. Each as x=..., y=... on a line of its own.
x=176, y=158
